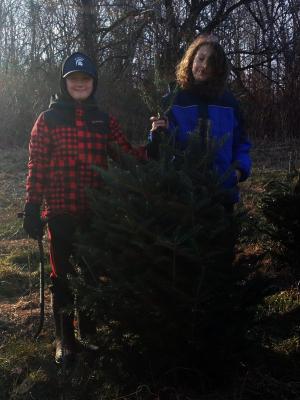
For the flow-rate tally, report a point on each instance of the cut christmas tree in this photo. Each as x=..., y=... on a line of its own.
x=162, y=243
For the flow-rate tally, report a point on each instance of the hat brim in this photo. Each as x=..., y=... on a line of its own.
x=78, y=70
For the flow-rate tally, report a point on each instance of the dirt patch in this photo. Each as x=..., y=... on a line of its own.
x=21, y=316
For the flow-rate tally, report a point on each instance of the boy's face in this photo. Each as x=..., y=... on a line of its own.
x=79, y=85
x=201, y=67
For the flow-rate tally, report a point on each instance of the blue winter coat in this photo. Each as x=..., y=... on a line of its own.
x=226, y=124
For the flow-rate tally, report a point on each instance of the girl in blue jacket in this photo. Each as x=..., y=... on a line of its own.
x=201, y=77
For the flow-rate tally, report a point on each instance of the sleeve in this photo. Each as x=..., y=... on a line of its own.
x=241, y=145
x=39, y=155
x=116, y=136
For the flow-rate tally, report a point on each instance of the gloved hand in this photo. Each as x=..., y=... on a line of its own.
x=32, y=223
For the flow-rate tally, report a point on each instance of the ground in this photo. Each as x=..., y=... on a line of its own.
x=27, y=369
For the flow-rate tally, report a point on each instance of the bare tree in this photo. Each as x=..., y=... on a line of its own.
x=134, y=41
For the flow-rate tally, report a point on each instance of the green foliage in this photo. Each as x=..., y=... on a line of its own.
x=152, y=91
x=162, y=243
x=281, y=208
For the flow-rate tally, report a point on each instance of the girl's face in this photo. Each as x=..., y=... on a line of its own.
x=79, y=85
x=201, y=67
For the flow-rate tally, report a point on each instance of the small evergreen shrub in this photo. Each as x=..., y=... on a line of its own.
x=281, y=208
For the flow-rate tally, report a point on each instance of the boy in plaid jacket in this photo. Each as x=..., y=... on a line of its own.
x=67, y=141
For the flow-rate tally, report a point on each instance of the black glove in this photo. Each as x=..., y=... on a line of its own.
x=32, y=223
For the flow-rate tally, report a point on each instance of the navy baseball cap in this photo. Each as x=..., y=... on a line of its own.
x=79, y=62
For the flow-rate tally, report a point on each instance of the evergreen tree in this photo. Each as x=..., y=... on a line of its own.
x=281, y=208
x=162, y=244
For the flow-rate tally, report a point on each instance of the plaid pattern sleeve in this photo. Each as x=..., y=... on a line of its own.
x=117, y=136
x=39, y=148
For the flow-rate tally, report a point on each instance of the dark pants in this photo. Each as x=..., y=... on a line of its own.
x=62, y=234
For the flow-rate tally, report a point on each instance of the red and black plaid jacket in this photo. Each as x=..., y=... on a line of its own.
x=62, y=159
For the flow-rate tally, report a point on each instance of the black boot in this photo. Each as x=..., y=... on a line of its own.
x=64, y=327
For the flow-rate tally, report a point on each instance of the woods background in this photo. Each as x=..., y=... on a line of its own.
x=250, y=328
x=137, y=45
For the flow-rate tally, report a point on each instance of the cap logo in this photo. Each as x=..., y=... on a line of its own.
x=79, y=61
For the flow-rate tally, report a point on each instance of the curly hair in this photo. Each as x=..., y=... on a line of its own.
x=218, y=63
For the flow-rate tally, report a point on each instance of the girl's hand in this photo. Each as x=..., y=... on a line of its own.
x=159, y=123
